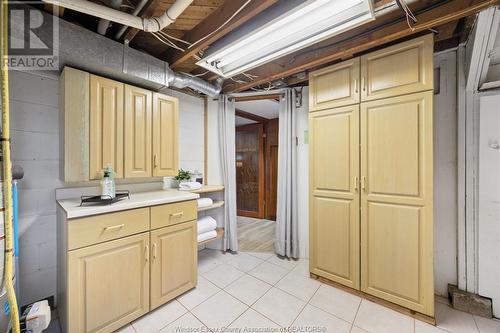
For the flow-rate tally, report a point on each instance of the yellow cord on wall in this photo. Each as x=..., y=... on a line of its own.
x=7, y=173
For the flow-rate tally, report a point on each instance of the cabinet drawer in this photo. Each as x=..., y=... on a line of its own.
x=100, y=228
x=165, y=215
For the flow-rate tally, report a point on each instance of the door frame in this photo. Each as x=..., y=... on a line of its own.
x=260, y=209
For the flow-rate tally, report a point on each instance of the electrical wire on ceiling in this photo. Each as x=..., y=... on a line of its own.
x=166, y=41
x=174, y=38
x=409, y=14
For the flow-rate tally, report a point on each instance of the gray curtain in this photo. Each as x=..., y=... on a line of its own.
x=227, y=147
x=286, y=243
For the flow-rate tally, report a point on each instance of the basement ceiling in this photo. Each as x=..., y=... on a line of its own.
x=449, y=20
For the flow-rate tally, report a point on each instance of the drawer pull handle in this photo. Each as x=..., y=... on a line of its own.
x=114, y=227
x=177, y=214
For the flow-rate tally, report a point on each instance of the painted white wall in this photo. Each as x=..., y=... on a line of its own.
x=489, y=200
x=445, y=173
x=35, y=146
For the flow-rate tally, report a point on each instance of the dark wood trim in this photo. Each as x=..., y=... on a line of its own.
x=260, y=212
x=257, y=98
x=336, y=49
x=250, y=116
x=212, y=22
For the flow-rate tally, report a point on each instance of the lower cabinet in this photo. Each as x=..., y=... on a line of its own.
x=104, y=283
x=108, y=284
x=173, y=262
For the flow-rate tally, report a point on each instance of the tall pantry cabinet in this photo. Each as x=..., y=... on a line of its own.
x=371, y=174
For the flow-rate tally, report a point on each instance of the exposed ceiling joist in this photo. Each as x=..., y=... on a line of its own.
x=212, y=22
x=328, y=51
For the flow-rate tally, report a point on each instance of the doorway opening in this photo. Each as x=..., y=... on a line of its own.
x=257, y=133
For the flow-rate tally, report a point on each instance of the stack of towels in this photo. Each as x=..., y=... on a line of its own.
x=206, y=228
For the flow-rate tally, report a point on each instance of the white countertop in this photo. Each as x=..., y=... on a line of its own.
x=142, y=199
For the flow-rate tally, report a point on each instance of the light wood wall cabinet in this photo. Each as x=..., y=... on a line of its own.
x=371, y=180
x=107, y=122
x=138, y=137
x=165, y=135
x=106, y=126
x=337, y=85
x=114, y=268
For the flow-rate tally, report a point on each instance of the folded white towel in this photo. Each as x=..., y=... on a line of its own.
x=189, y=186
x=206, y=224
x=207, y=235
x=205, y=202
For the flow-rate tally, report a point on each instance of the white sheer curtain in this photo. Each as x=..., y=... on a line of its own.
x=286, y=243
x=227, y=143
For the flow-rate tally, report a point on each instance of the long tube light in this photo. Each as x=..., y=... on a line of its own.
x=295, y=29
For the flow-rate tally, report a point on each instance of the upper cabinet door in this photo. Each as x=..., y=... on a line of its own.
x=398, y=70
x=334, y=86
x=138, y=157
x=165, y=135
x=106, y=126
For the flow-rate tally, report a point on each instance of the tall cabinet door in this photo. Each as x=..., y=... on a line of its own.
x=138, y=137
x=165, y=135
x=106, y=126
x=174, y=262
x=334, y=201
x=108, y=284
x=334, y=86
x=396, y=201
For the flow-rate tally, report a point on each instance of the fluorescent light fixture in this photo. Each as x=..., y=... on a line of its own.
x=305, y=24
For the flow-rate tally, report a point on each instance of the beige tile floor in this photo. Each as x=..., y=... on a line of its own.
x=262, y=293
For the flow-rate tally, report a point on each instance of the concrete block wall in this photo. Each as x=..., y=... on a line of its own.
x=35, y=146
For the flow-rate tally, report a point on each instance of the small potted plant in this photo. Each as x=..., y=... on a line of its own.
x=183, y=176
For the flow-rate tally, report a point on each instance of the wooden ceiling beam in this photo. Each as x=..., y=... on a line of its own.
x=326, y=53
x=212, y=22
x=250, y=116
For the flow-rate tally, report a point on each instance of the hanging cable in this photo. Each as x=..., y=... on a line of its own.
x=174, y=38
x=7, y=172
x=222, y=25
x=166, y=41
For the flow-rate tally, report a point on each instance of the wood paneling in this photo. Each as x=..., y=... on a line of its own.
x=334, y=86
x=334, y=201
x=165, y=135
x=106, y=126
x=174, y=262
x=250, y=173
x=108, y=284
x=138, y=136
x=271, y=162
x=397, y=201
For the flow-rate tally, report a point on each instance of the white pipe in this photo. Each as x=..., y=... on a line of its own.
x=103, y=24
x=152, y=24
x=136, y=12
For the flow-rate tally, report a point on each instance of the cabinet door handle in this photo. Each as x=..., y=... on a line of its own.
x=363, y=185
x=154, y=251
x=356, y=181
x=356, y=86
x=155, y=160
x=146, y=254
x=363, y=83
x=177, y=214
x=113, y=227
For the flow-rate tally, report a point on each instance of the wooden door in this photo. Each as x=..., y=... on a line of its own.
x=138, y=154
x=334, y=86
x=396, y=201
x=250, y=170
x=271, y=162
x=106, y=126
x=165, y=135
x=397, y=70
x=334, y=195
x=174, y=262
x=108, y=284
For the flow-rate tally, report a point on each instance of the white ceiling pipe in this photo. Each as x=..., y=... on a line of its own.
x=103, y=24
x=136, y=12
x=152, y=24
